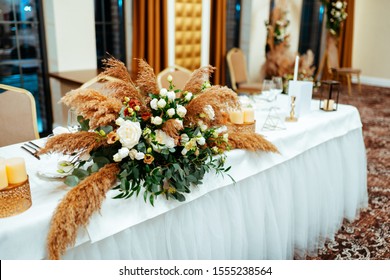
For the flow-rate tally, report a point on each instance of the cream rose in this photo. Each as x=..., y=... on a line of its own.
x=129, y=133
x=181, y=111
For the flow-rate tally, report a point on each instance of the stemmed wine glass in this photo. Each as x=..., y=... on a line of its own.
x=73, y=124
x=277, y=88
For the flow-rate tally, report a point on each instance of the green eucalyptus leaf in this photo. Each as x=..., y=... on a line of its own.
x=72, y=180
x=80, y=173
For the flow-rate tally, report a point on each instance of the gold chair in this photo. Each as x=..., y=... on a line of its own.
x=238, y=74
x=18, y=117
x=338, y=72
x=179, y=74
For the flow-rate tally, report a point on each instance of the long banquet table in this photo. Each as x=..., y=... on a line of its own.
x=281, y=206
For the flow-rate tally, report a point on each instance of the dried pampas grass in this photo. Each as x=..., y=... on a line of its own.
x=122, y=90
x=146, y=80
x=117, y=69
x=101, y=110
x=198, y=78
x=172, y=128
x=77, y=207
x=251, y=142
x=221, y=99
x=69, y=143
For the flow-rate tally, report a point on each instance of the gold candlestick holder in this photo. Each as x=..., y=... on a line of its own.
x=15, y=199
x=292, y=117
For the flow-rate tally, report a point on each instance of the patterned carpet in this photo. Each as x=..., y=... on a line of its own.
x=369, y=236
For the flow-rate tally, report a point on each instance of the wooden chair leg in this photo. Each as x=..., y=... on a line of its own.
x=359, y=84
x=349, y=84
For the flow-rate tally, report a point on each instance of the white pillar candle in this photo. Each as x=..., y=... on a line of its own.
x=236, y=117
x=328, y=105
x=3, y=175
x=16, y=170
x=249, y=115
x=296, y=68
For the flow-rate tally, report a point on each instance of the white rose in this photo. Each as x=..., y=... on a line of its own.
x=226, y=137
x=339, y=5
x=163, y=92
x=221, y=129
x=169, y=78
x=171, y=95
x=161, y=103
x=203, y=127
x=164, y=139
x=123, y=152
x=153, y=103
x=184, y=151
x=181, y=111
x=337, y=14
x=209, y=111
x=129, y=133
x=119, y=121
x=180, y=122
x=139, y=156
x=171, y=112
x=157, y=120
x=188, y=96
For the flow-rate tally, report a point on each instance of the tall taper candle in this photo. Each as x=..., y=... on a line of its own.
x=296, y=68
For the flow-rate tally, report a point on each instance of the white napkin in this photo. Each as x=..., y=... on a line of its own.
x=60, y=130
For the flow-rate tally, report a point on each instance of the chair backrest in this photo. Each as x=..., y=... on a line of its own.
x=332, y=55
x=18, y=117
x=237, y=67
x=180, y=76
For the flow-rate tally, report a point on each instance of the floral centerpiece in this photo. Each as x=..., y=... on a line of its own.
x=142, y=140
x=336, y=14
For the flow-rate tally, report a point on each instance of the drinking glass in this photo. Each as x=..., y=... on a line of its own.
x=73, y=124
x=277, y=88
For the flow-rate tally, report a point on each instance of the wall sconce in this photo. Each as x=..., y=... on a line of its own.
x=329, y=103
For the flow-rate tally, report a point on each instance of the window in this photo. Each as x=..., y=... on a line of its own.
x=110, y=34
x=22, y=62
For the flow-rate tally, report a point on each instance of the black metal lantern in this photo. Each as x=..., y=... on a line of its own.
x=329, y=103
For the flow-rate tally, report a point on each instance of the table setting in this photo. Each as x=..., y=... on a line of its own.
x=62, y=171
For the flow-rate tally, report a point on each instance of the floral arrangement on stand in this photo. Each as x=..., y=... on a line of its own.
x=142, y=140
x=279, y=59
x=336, y=15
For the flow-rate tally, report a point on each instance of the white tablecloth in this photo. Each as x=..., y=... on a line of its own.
x=281, y=205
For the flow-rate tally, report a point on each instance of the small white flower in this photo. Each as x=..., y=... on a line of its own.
x=184, y=151
x=226, y=137
x=215, y=149
x=117, y=158
x=161, y=103
x=209, y=111
x=163, y=92
x=169, y=78
x=153, y=103
x=146, y=132
x=201, y=141
x=119, y=121
x=171, y=112
x=180, y=122
x=184, y=138
x=157, y=120
x=190, y=145
x=171, y=95
x=221, y=129
x=139, y=156
x=339, y=5
x=181, y=111
x=203, y=127
x=132, y=153
x=123, y=152
x=164, y=139
x=337, y=14
x=188, y=96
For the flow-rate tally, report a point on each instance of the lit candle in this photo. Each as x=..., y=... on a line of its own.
x=328, y=104
x=16, y=170
x=249, y=115
x=296, y=68
x=3, y=175
x=236, y=117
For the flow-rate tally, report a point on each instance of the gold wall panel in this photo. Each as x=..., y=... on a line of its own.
x=188, y=33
